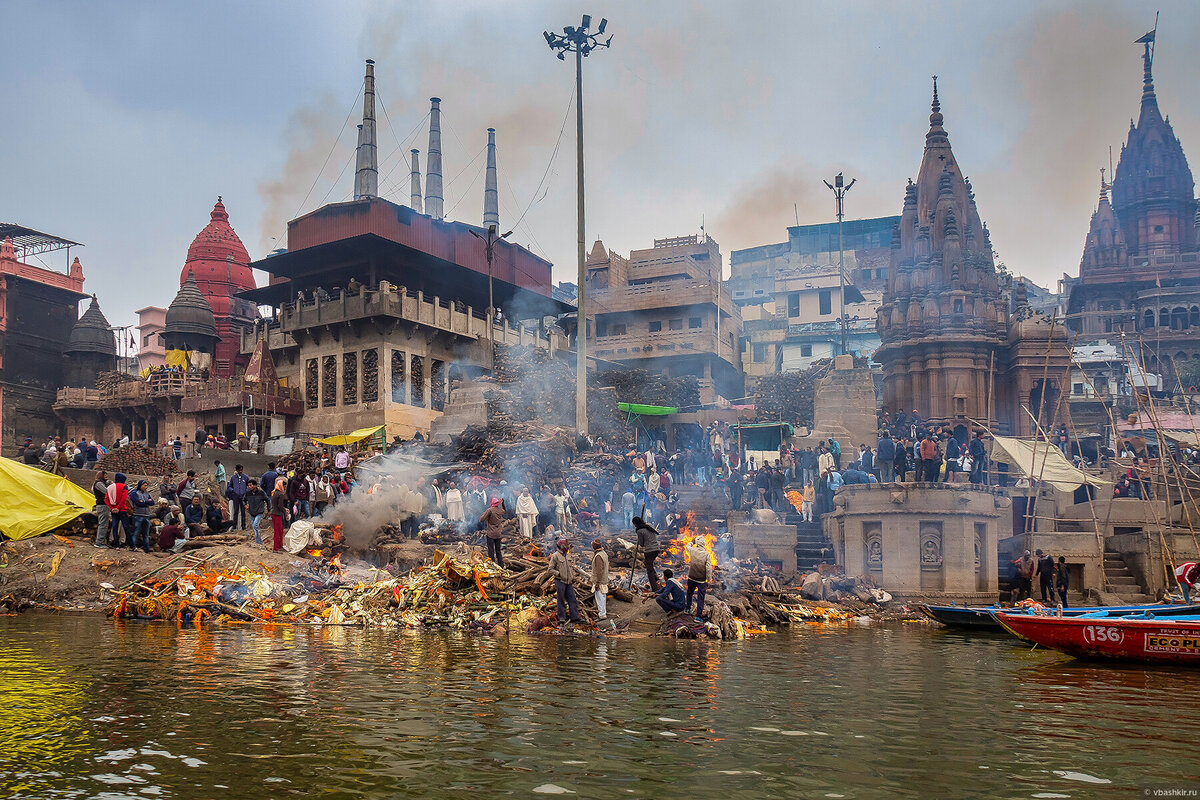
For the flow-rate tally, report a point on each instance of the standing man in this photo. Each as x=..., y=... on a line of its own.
x=279, y=512
x=647, y=543
x=979, y=458
x=116, y=497
x=1045, y=574
x=221, y=476
x=564, y=583
x=527, y=512
x=267, y=481
x=236, y=494
x=699, y=574
x=600, y=579
x=201, y=438
x=492, y=522
x=254, y=440
x=953, y=453
x=1026, y=568
x=341, y=459
x=255, y=506
x=931, y=462
x=835, y=449
x=808, y=465
x=627, y=501
x=103, y=515
x=1062, y=580
x=297, y=492
x=885, y=458
x=825, y=461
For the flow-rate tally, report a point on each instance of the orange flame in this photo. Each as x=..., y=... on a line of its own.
x=335, y=563
x=313, y=553
x=690, y=535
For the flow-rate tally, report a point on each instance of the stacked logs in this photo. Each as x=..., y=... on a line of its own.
x=136, y=459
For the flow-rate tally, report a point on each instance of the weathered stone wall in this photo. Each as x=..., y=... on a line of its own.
x=920, y=540
x=845, y=408
x=772, y=543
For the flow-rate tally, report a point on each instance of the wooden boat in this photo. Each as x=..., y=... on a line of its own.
x=972, y=617
x=1158, y=637
x=980, y=617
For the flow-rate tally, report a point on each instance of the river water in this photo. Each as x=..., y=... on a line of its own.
x=97, y=709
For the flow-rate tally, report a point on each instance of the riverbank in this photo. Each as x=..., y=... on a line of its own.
x=420, y=585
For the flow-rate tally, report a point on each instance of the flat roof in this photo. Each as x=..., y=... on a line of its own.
x=28, y=241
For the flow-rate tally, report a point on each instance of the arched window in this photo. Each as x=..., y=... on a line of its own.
x=1179, y=318
x=1194, y=316
x=1148, y=319
x=1180, y=356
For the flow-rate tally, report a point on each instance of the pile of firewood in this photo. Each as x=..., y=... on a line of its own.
x=135, y=459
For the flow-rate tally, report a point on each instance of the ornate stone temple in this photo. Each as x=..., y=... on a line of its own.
x=1140, y=270
x=952, y=348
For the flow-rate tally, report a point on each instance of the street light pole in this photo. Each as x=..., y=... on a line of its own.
x=840, y=187
x=489, y=249
x=581, y=42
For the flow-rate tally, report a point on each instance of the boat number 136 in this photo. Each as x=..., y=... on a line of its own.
x=1098, y=634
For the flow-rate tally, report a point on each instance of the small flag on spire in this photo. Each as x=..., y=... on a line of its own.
x=1149, y=37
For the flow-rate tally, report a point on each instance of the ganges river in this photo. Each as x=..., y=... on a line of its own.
x=96, y=709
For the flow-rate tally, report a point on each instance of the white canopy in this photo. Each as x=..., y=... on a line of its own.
x=1042, y=461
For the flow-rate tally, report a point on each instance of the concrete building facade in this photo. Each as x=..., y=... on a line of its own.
x=665, y=309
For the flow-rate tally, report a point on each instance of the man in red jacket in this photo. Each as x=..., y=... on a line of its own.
x=1188, y=576
x=116, y=497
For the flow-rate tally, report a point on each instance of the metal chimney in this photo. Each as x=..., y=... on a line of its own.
x=366, y=171
x=433, y=161
x=414, y=194
x=491, y=198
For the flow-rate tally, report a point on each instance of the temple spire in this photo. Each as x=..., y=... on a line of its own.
x=1103, y=187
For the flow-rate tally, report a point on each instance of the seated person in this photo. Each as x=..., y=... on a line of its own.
x=214, y=517
x=193, y=517
x=671, y=598
x=172, y=534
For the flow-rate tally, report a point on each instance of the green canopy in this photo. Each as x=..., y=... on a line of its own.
x=647, y=411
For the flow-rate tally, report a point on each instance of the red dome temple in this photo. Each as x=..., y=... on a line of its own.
x=221, y=266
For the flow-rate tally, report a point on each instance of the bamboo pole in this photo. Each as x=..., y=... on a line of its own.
x=1168, y=560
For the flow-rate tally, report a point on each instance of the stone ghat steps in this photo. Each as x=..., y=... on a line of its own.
x=812, y=548
x=1119, y=580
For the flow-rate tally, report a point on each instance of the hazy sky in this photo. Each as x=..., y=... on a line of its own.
x=124, y=121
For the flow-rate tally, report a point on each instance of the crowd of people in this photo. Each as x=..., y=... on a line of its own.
x=137, y=519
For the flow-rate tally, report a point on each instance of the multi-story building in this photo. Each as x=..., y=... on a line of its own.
x=1139, y=278
x=152, y=321
x=665, y=309
x=38, y=309
x=864, y=256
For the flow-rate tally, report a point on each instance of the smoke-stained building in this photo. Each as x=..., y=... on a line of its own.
x=664, y=309
x=38, y=309
x=377, y=305
x=1140, y=270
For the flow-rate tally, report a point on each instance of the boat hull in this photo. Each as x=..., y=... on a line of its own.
x=972, y=618
x=1145, y=640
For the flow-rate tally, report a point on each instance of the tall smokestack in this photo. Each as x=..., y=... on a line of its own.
x=366, y=171
x=414, y=193
x=491, y=198
x=433, y=161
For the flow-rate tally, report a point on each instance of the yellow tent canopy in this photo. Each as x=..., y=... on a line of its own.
x=351, y=437
x=33, y=501
x=1042, y=460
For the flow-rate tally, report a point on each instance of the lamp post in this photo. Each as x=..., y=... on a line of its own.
x=840, y=187
x=489, y=249
x=581, y=42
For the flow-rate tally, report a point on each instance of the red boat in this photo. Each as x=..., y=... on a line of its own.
x=1175, y=641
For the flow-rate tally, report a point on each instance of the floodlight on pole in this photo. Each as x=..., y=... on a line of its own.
x=580, y=41
x=840, y=187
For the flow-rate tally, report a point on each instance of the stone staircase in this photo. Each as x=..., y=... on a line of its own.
x=812, y=548
x=1119, y=580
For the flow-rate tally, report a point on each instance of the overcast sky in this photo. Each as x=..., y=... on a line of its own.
x=124, y=121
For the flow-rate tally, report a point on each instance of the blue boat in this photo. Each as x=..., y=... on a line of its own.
x=980, y=617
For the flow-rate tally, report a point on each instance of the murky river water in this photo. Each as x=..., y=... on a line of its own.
x=94, y=709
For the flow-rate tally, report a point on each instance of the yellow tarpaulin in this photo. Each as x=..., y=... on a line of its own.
x=1042, y=460
x=33, y=501
x=351, y=437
